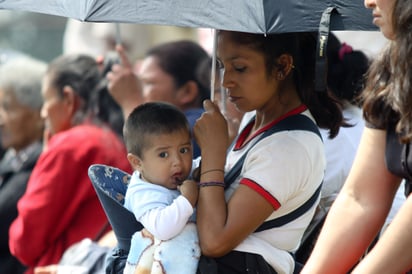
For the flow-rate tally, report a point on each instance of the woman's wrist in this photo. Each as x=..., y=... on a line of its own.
x=218, y=170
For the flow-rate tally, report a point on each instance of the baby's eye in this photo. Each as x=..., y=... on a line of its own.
x=163, y=154
x=184, y=150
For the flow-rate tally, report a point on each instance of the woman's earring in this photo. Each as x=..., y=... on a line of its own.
x=280, y=75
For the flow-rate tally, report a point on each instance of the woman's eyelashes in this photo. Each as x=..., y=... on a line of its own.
x=240, y=68
x=235, y=67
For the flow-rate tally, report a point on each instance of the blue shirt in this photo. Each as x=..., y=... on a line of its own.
x=192, y=115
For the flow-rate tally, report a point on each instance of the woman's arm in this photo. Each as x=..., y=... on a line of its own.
x=393, y=252
x=124, y=85
x=359, y=211
x=222, y=226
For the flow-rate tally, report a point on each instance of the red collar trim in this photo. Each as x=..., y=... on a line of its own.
x=240, y=142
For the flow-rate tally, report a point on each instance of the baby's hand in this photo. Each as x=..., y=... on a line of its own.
x=190, y=191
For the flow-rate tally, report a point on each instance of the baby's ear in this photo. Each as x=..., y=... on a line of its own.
x=134, y=161
x=196, y=174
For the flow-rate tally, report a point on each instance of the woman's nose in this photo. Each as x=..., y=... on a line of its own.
x=43, y=112
x=369, y=3
x=227, y=81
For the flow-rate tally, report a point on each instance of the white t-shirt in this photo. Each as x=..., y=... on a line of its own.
x=340, y=151
x=286, y=168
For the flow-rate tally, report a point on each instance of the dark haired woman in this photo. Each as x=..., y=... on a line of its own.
x=239, y=220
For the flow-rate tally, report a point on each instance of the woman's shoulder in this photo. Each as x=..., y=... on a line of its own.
x=88, y=142
x=83, y=135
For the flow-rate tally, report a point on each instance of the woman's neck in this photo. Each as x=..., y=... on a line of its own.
x=275, y=110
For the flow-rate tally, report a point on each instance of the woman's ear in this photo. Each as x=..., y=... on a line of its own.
x=188, y=94
x=70, y=99
x=135, y=162
x=284, y=67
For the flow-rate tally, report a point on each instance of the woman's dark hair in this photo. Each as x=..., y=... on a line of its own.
x=346, y=70
x=107, y=110
x=181, y=59
x=152, y=118
x=81, y=72
x=302, y=47
x=388, y=93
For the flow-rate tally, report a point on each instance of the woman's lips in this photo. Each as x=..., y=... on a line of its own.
x=233, y=99
x=376, y=19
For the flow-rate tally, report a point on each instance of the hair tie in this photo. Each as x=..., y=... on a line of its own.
x=345, y=48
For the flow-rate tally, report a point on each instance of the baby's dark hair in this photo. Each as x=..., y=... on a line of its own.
x=149, y=119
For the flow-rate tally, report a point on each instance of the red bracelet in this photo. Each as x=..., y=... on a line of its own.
x=213, y=183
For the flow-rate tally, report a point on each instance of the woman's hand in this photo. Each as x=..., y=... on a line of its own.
x=211, y=132
x=124, y=85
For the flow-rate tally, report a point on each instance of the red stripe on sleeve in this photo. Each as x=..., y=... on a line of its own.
x=256, y=187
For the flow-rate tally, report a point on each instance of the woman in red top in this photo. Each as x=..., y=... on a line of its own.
x=60, y=206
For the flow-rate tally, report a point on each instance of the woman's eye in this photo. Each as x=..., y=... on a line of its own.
x=240, y=68
x=219, y=65
x=163, y=154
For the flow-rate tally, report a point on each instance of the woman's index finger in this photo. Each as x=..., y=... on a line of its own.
x=124, y=60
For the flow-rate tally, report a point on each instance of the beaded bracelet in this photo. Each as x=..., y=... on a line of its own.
x=212, y=170
x=213, y=183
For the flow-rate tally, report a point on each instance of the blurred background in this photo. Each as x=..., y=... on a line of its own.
x=46, y=36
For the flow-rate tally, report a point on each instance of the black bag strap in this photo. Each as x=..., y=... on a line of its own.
x=282, y=220
x=321, y=49
x=293, y=122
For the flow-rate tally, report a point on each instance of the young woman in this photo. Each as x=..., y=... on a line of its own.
x=382, y=161
x=272, y=75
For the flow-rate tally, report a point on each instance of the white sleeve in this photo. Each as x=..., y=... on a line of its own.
x=167, y=222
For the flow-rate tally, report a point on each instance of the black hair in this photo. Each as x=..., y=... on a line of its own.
x=181, y=59
x=347, y=70
x=152, y=118
x=301, y=46
x=81, y=72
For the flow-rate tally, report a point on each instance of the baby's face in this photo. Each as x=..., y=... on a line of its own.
x=167, y=161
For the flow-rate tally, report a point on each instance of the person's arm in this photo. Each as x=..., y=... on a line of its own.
x=157, y=209
x=124, y=85
x=393, y=252
x=222, y=226
x=359, y=211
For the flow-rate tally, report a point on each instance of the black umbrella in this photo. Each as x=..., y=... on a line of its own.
x=257, y=16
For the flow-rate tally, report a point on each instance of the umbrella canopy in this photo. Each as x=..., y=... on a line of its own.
x=257, y=16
